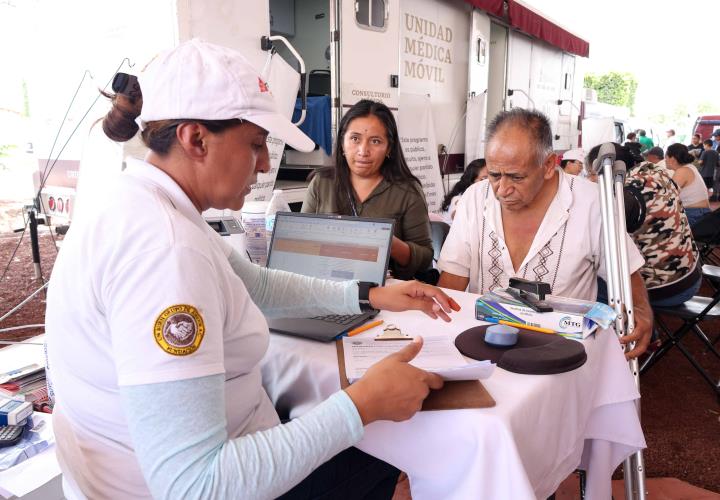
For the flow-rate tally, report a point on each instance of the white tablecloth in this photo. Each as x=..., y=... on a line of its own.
x=542, y=428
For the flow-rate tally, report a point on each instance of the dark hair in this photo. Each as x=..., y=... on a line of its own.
x=563, y=163
x=120, y=126
x=707, y=142
x=641, y=132
x=394, y=168
x=631, y=136
x=697, y=135
x=680, y=153
x=536, y=123
x=468, y=178
x=628, y=155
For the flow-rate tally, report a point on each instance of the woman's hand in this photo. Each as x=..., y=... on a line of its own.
x=413, y=295
x=393, y=389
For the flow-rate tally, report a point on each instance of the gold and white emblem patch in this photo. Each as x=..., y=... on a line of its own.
x=179, y=330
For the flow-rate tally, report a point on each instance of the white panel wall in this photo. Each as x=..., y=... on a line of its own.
x=434, y=52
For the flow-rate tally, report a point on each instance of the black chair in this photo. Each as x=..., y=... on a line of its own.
x=692, y=313
x=706, y=233
x=438, y=232
x=319, y=82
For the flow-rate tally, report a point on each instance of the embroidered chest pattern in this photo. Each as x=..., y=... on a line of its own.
x=540, y=269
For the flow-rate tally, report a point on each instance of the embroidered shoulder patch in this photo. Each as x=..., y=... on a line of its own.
x=179, y=330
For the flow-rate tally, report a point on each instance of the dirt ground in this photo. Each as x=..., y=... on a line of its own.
x=680, y=412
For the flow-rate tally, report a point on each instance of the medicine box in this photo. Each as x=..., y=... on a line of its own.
x=569, y=316
x=14, y=412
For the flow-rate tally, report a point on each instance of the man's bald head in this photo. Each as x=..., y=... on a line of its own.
x=534, y=123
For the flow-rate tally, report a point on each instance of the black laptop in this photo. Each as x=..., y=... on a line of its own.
x=330, y=247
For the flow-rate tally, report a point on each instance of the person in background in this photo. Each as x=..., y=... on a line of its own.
x=693, y=192
x=695, y=147
x=672, y=271
x=631, y=137
x=572, y=161
x=531, y=220
x=670, y=138
x=474, y=172
x=372, y=179
x=644, y=140
x=716, y=140
x=656, y=156
x=710, y=162
x=155, y=327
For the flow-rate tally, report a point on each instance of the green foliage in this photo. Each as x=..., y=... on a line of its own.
x=707, y=108
x=26, y=100
x=5, y=149
x=614, y=88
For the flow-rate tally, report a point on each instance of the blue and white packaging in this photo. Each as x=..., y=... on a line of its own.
x=570, y=317
x=13, y=412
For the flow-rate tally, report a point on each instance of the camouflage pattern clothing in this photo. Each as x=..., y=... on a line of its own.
x=664, y=239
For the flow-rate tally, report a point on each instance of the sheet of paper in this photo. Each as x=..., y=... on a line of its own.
x=34, y=472
x=438, y=355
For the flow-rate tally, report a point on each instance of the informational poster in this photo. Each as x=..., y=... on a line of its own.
x=475, y=128
x=417, y=137
x=283, y=81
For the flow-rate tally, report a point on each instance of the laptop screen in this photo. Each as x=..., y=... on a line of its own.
x=331, y=246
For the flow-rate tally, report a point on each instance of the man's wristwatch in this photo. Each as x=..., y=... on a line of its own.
x=364, y=295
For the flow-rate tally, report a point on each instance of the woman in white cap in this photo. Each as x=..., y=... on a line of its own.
x=154, y=325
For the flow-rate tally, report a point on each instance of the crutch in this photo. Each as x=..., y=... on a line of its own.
x=611, y=179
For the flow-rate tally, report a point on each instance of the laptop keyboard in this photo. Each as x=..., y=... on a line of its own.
x=340, y=319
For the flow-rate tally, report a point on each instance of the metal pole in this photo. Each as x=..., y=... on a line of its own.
x=611, y=181
x=34, y=244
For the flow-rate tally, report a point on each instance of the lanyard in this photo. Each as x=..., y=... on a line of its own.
x=351, y=199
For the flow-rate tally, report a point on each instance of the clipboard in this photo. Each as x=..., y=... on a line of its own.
x=454, y=395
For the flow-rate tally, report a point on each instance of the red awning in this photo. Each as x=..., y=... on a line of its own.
x=521, y=17
x=494, y=7
x=535, y=25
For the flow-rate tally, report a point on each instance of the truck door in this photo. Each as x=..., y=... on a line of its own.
x=519, y=60
x=497, y=70
x=369, y=56
x=478, y=72
x=567, y=112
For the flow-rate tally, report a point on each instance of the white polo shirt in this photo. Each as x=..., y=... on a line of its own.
x=567, y=251
x=142, y=292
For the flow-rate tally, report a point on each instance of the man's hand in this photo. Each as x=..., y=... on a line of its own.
x=643, y=318
x=393, y=389
x=413, y=295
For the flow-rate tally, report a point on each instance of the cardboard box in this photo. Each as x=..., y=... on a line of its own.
x=570, y=317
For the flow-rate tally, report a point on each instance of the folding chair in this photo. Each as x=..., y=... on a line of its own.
x=438, y=232
x=706, y=233
x=692, y=313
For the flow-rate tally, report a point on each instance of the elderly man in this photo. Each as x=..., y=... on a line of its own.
x=656, y=155
x=531, y=220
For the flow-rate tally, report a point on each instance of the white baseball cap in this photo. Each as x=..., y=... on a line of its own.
x=203, y=81
x=574, y=154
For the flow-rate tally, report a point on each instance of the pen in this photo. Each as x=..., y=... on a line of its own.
x=490, y=319
x=364, y=327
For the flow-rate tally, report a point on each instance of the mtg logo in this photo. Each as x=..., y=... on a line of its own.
x=568, y=322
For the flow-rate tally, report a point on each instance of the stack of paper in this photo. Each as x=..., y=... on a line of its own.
x=438, y=355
